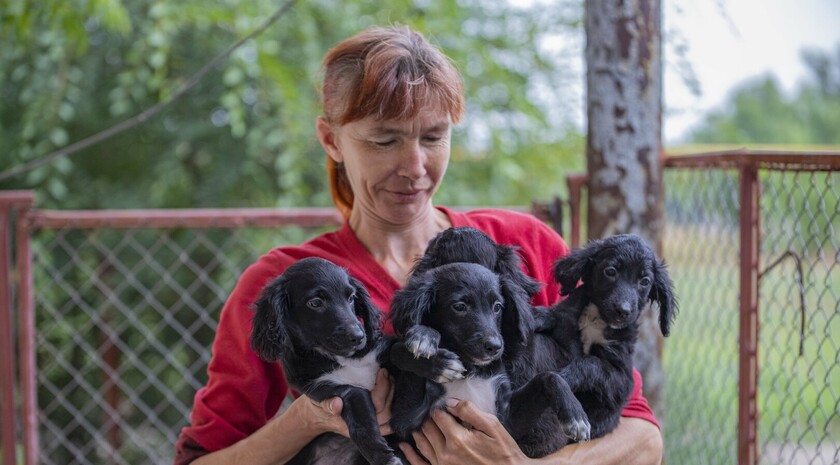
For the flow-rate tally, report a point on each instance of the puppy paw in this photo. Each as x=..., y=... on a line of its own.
x=422, y=341
x=448, y=367
x=578, y=430
x=394, y=461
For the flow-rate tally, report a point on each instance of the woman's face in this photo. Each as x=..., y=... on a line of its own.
x=394, y=167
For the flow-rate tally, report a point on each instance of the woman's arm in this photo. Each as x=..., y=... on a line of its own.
x=444, y=441
x=285, y=435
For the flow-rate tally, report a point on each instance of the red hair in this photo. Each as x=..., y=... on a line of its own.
x=387, y=73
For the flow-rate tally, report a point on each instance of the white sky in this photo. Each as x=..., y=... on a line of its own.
x=729, y=41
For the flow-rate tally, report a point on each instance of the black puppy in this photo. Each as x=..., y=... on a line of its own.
x=462, y=304
x=542, y=411
x=619, y=277
x=309, y=319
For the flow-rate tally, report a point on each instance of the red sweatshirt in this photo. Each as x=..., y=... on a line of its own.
x=243, y=392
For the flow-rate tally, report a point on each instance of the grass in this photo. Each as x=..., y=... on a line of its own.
x=798, y=394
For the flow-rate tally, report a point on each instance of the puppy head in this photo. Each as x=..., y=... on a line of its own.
x=620, y=275
x=313, y=305
x=465, y=244
x=461, y=244
x=463, y=302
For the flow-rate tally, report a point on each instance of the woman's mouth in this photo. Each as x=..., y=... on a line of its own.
x=406, y=196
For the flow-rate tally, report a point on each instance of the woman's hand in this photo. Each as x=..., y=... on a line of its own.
x=325, y=416
x=444, y=441
x=382, y=396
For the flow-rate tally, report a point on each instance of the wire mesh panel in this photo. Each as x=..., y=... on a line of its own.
x=701, y=355
x=799, y=383
x=799, y=317
x=124, y=324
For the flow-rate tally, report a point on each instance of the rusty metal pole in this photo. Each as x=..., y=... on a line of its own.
x=749, y=324
x=26, y=332
x=7, y=350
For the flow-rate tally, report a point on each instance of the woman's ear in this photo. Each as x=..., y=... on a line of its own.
x=327, y=137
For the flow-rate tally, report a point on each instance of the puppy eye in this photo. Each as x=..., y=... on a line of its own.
x=645, y=282
x=610, y=272
x=459, y=307
x=315, y=304
x=497, y=307
x=351, y=298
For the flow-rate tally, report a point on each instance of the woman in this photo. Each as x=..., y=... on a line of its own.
x=390, y=100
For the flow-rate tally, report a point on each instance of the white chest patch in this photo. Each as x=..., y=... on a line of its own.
x=480, y=391
x=360, y=372
x=591, y=328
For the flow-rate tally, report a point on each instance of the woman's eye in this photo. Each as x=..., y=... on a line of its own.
x=315, y=303
x=384, y=143
x=459, y=307
x=610, y=272
x=645, y=282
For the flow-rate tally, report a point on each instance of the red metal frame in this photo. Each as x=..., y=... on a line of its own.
x=7, y=354
x=13, y=208
x=16, y=208
x=748, y=163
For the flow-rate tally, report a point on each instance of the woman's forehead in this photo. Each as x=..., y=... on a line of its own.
x=425, y=121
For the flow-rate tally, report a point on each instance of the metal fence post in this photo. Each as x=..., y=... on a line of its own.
x=7, y=351
x=748, y=347
x=26, y=333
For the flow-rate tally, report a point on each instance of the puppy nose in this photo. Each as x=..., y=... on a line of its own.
x=625, y=308
x=492, y=346
x=353, y=335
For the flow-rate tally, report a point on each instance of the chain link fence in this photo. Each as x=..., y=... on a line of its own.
x=798, y=316
x=126, y=313
x=125, y=321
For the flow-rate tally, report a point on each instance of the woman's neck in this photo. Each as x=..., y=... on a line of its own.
x=397, y=246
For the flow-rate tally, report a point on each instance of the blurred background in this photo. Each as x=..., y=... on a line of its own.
x=115, y=312
x=735, y=72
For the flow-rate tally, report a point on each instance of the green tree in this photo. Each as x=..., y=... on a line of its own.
x=244, y=136
x=759, y=112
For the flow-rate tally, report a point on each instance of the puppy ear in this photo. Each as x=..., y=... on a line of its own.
x=517, y=319
x=507, y=265
x=364, y=309
x=412, y=303
x=662, y=292
x=269, y=337
x=569, y=270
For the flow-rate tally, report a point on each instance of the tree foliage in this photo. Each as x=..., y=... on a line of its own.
x=760, y=112
x=245, y=136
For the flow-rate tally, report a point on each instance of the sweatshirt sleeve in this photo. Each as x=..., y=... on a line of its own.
x=637, y=406
x=242, y=392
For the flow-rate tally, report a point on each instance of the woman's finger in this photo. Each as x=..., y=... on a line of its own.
x=382, y=396
x=327, y=414
x=412, y=456
x=433, y=433
x=470, y=414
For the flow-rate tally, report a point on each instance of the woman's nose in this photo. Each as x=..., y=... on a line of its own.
x=412, y=164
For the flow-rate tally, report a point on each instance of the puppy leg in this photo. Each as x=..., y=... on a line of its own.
x=544, y=414
x=414, y=399
x=422, y=341
x=443, y=367
x=360, y=415
x=545, y=319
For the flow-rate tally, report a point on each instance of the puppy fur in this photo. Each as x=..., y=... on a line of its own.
x=619, y=276
x=542, y=413
x=463, y=304
x=319, y=322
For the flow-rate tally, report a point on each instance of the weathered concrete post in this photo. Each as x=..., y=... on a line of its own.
x=624, y=109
